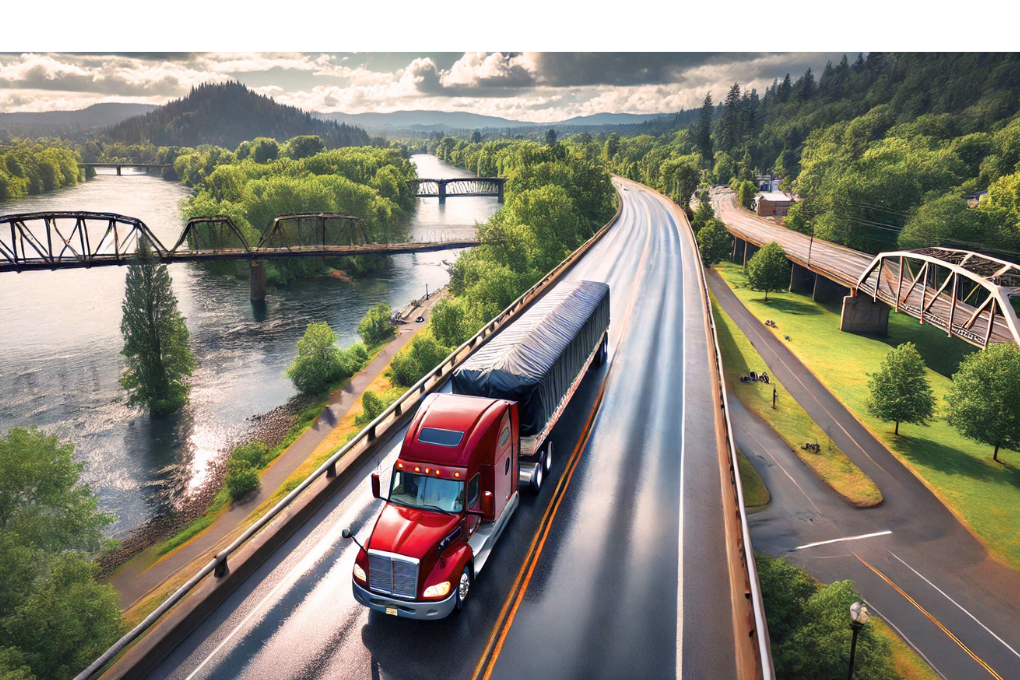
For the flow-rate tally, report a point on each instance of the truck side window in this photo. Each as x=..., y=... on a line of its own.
x=503, y=437
x=473, y=487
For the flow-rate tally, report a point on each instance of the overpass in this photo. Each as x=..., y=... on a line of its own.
x=969, y=295
x=73, y=240
x=635, y=562
x=461, y=186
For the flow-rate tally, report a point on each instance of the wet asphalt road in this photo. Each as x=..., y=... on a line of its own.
x=927, y=554
x=618, y=558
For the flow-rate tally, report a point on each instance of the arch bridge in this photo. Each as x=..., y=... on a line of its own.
x=461, y=186
x=967, y=294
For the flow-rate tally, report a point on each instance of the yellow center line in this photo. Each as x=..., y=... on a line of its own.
x=516, y=594
x=931, y=618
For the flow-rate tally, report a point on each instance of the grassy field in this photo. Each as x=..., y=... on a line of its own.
x=983, y=494
x=788, y=419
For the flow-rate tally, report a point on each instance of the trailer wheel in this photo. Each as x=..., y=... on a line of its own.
x=547, y=459
x=463, y=586
x=603, y=353
x=538, y=476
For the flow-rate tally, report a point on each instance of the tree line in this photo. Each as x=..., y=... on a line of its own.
x=31, y=167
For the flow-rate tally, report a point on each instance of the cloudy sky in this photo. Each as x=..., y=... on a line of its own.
x=539, y=87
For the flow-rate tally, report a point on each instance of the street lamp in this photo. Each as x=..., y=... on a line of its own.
x=859, y=615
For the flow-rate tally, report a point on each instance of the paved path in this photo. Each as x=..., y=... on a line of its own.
x=135, y=579
x=928, y=554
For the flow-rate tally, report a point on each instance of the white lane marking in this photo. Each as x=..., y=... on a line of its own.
x=956, y=603
x=907, y=640
x=847, y=538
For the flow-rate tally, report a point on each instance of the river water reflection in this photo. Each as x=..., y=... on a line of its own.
x=60, y=341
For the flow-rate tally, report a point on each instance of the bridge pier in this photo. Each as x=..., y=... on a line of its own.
x=442, y=192
x=861, y=314
x=749, y=250
x=826, y=291
x=499, y=196
x=738, y=250
x=257, y=280
x=118, y=171
x=801, y=279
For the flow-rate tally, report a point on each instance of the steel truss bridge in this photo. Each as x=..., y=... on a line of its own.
x=70, y=240
x=967, y=294
x=465, y=186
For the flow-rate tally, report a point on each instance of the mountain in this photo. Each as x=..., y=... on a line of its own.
x=67, y=123
x=449, y=121
x=226, y=115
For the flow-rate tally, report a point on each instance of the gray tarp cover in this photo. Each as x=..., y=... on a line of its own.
x=535, y=360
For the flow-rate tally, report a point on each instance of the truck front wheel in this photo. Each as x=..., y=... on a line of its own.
x=463, y=586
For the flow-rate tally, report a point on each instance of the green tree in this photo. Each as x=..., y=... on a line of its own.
x=900, y=391
x=476, y=137
x=703, y=134
x=550, y=137
x=725, y=167
x=714, y=242
x=156, y=339
x=612, y=147
x=372, y=407
x=768, y=269
x=318, y=364
x=746, y=191
x=982, y=400
x=421, y=355
x=376, y=326
x=68, y=621
x=731, y=127
x=264, y=149
x=304, y=146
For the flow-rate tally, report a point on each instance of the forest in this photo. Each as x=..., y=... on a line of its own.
x=30, y=167
x=892, y=150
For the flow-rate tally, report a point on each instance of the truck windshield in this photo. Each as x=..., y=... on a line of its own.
x=427, y=493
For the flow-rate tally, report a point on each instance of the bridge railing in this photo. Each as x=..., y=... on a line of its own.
x=354, y=450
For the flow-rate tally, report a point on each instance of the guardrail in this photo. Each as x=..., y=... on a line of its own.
x=365, y=439
x=759, y=625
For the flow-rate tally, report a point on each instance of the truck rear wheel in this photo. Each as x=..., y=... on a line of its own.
x=547, y=459
x=538, y=476
x=463, y=586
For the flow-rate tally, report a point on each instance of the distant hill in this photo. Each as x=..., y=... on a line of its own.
x=456, y=121
x=69, y=123
x=226, y=115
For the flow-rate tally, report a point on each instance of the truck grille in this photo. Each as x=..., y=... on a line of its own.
x=392, y=575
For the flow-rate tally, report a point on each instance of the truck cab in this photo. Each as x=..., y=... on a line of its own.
x=452, y=491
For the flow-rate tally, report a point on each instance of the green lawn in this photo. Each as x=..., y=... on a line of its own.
x=983, y=494
x=788, y=419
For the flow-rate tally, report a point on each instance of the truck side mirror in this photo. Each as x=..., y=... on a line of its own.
x=375, y=485
x=488, y=506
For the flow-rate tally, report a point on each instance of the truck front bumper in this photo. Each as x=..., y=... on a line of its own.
x=437, y=609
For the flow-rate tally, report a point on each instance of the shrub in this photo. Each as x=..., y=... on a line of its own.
x=253, y=454
x=421, y=355
x=376, y=326
x=373, y=406
x=242, y=479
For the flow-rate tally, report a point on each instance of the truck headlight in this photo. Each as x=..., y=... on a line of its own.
x=438, y=590
x=359, y=573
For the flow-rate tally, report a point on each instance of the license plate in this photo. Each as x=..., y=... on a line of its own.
x=392, y=611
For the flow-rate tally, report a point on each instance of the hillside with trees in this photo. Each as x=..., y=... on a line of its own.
x=226, y=115
x=885, y=151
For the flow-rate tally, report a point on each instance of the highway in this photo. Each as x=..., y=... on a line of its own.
x=963, y=606
x=617, y=569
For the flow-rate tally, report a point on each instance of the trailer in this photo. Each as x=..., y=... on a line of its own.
x=455, y=484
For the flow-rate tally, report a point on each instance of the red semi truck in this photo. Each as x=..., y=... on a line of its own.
x=455, y=483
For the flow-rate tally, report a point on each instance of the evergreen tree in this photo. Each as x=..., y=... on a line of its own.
x=731, y=129
x=159, y=359
x=703, y=135
x=785, y=88
x=476, y=137
x=900, y=392
x=807, y=85
x=550, y=137
x=982, y=402
x=768, y=270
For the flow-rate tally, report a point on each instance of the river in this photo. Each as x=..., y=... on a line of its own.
x=60, y=342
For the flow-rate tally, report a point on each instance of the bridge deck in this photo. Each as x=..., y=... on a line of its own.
x=115, y=259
